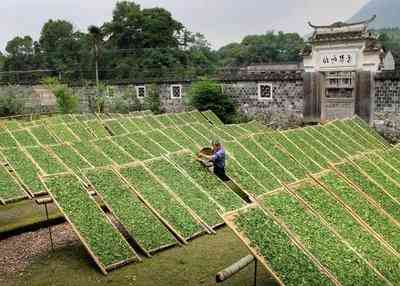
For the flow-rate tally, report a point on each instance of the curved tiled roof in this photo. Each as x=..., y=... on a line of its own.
x=341, y=31
x=343, y=24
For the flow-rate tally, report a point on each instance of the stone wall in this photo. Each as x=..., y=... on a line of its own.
x=122, y=97
x=387, y=106
x=85, y=94
x=287, y=97
x=169, y=104
x=286, y=101
x=387, y=96
x=23, y=98
x=338, y=108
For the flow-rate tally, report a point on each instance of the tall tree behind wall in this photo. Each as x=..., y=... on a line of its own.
x=141, y=43
x=63, y=48
x=390, y=39
x=148, y=39
x=20, y=51
x=268, y=48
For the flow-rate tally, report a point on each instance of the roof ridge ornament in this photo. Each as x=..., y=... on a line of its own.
x=343, y=24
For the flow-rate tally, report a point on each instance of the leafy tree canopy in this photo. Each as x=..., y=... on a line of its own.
x=137, y=43
x=207, y=94
x=55, y=34
x=390, y=39
x=20, y=46
x=20, y=54
x=268, y=48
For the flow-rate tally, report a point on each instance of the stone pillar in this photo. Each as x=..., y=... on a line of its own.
x=312, y=96
x=364, y=96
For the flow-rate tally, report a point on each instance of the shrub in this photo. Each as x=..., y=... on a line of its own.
x=119, y=105
x=67, y=102
x=100, y=98
x=152, y=101
x=11, y=102
x=207, y=94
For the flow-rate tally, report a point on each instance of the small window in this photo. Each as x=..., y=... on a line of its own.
x=141, y=91
x=265, y=91
x=176, y=91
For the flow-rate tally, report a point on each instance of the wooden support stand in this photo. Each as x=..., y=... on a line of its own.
x=49, y=226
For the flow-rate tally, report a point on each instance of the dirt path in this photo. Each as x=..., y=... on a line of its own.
x=27, y=260
x=18, y=251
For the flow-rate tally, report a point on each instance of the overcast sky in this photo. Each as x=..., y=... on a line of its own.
x=222, y=21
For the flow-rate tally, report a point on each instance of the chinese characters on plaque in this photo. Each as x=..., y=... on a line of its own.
x=339, y=59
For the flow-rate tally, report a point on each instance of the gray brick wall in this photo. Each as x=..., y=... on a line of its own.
x=387, y=96
x=287, y=97
x=169, y=104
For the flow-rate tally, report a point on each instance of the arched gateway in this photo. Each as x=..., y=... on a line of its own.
x=340, y=65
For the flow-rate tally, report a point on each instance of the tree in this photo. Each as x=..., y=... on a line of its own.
x=125, y=30
x=20, y=54
x=139, y=43
x=20, y=46
x=390, y=39
x=231, y=54
x=62, y=47
x=55, y=34
x=149, y=40
x=135, y=43
x=207, y=94
x=201, y=56
x=96, y=37
x=134, y=28
x=268, y=48
x=160, y=29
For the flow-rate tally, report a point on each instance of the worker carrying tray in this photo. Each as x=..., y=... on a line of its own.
x=215, y=157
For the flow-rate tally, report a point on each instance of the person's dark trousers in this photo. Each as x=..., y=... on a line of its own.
x=220, y=173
